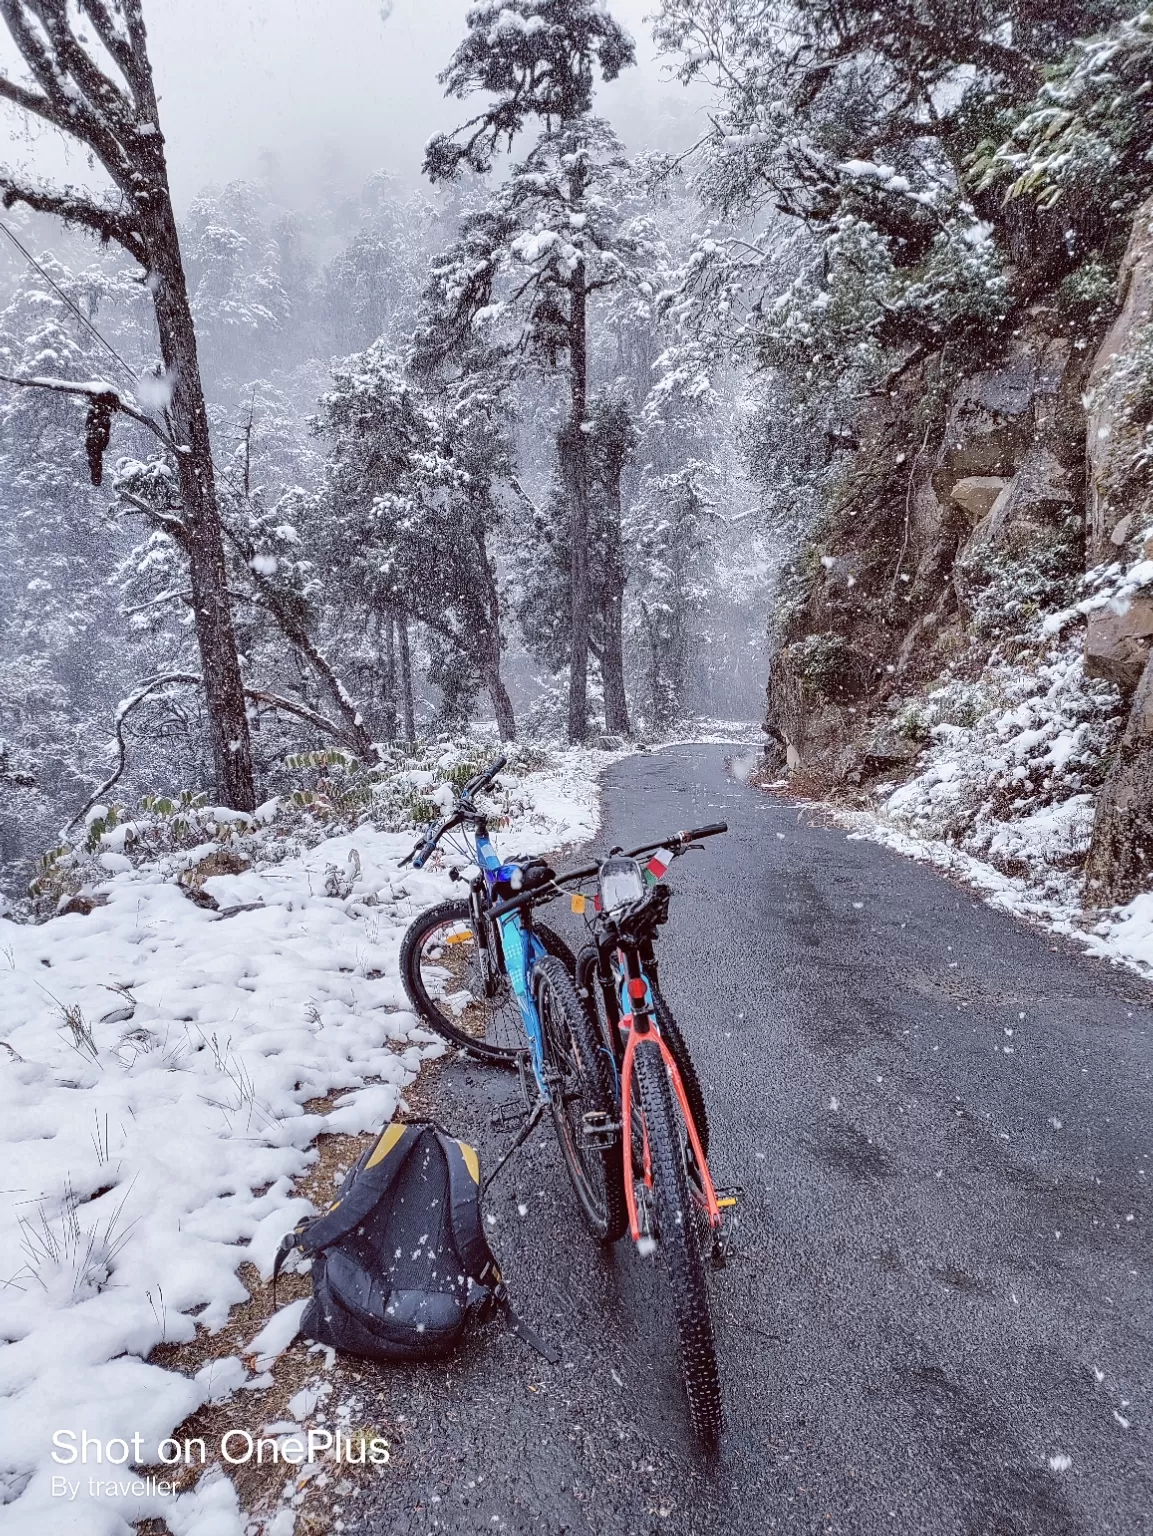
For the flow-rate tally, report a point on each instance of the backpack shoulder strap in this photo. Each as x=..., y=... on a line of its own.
x=464, y=1211
x=364, y=1187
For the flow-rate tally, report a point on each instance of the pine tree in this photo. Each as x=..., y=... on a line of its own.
x=543, y=247
x=412, y=507
x=669, y=532
x=862, y=123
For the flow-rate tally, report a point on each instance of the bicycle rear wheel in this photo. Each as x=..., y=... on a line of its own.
x=671, y=1034
x=590, y=989
x=444, y=975
x=584, y=1101
x=678, y=1242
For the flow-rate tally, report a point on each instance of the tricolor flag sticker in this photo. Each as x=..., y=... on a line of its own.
x=658, y=865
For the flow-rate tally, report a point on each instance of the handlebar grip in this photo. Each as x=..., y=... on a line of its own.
x=419, y=855
x=484, y=779
x=713, y=828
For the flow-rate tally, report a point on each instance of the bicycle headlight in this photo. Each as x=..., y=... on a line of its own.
x=622, y=884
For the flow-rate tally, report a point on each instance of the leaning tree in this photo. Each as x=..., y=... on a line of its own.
x=546, y=242
x=90, y=77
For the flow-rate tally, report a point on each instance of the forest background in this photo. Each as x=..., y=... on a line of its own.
x=831, y=372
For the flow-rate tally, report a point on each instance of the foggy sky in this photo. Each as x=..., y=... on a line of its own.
x=313, y=81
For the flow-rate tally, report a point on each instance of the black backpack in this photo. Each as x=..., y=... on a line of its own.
x=400, y=1262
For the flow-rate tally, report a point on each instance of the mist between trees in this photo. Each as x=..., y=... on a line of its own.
x=530, y=445
x=401, y=462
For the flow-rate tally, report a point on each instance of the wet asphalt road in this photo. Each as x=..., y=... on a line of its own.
x=943, y=1122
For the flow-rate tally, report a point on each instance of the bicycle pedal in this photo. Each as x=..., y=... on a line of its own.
x=510, y=1113
x=723, y=1248
x=598, y=1132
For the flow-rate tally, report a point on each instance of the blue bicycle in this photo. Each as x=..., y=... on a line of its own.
x=500, y=986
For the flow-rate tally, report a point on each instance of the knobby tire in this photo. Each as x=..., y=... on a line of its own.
x=678, y=1242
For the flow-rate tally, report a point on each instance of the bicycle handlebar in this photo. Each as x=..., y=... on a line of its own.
x=713, y=829
x=483, y=780
x=679, y=842
x=474, y=786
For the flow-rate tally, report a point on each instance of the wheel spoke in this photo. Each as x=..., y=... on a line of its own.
x=445, y=975
x=452, y=971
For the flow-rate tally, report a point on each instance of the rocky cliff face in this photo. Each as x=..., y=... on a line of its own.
x=970, y=509
x=1119, y=515
x=961, y=506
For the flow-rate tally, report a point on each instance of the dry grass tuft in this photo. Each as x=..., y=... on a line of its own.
x=259, y=1488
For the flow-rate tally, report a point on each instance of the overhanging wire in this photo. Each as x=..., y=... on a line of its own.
x=76, y=310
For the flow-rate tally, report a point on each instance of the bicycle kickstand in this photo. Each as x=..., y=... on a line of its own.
x=519, y=1140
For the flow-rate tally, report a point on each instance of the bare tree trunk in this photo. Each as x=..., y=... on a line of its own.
x=120, y=126
x=388, y=622
x=613, y=603
x=574, y=470
x=208, y=574
x=498, y=693
x=406, y=679
x=488, y=640
x=613, y=664
x=291, y=620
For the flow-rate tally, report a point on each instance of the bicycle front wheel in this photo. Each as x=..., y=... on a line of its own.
x=678, y=1242
x=590, y=988
x=584, y=1101
x=671, y=1034
x=466, y=1001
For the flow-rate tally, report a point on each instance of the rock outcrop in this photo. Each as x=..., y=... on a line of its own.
x=1120, y=509
x=1117, y=644
x=1120, y=860
x=1114, y=426
x=928, y=532
x=970, y=507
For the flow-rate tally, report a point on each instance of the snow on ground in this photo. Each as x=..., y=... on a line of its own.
x=156, y=1058
x=1010, y=767
x=1003, y=793
x=1123, y=935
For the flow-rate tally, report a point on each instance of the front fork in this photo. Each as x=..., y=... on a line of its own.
x=487, y=938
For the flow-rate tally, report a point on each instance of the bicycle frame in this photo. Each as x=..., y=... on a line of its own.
x=520, y=949
x=636, y=1022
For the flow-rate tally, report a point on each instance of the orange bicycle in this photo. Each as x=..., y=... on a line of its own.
x=643, y=1167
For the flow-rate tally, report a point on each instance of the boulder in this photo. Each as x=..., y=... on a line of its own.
x=887, y=749
x=1112, y=435
x=977, y=493
x=996, y=415
x=1117, y=644
x=1120, y=534
x=83, y=903
x=1029, y=514
x=222, y=862
x=1120, y=859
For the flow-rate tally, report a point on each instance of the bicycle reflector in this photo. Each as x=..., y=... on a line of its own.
x=622, y=884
